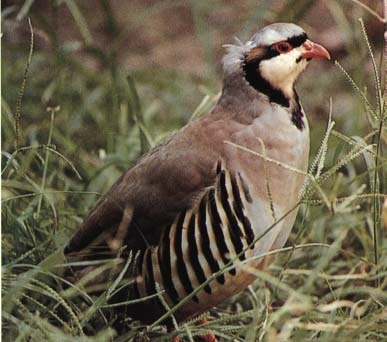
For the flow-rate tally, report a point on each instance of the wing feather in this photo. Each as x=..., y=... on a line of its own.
x=169, y=179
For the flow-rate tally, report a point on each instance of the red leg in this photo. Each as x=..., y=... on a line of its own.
x=208, y=337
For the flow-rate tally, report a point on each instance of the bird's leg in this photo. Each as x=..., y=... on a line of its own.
x=210, y=337
x=207, y=338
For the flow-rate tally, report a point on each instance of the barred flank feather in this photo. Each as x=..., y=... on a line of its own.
x=199, y=243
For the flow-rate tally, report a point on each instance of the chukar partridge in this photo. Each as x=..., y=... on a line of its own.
x=202, y=200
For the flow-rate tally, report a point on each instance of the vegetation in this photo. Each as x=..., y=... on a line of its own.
x=79, y=107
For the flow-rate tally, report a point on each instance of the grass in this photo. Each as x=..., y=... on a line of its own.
x=74, y=119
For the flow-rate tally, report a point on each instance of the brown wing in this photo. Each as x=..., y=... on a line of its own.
x=164, y=182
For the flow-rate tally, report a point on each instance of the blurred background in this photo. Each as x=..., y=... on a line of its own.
x=107, y=80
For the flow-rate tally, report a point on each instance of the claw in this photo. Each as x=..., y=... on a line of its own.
x=209, y=338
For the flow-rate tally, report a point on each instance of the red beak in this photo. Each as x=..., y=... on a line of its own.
x=314, y=50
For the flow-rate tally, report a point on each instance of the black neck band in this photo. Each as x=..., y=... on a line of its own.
x=297, y=116
x=253, y=76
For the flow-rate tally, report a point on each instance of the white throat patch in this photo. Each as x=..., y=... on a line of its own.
x=282, y=71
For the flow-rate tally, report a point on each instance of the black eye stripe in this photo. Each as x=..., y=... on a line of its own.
x=297, y=41
x=270, y=51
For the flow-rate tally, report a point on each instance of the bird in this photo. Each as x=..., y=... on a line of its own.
x=220, y=193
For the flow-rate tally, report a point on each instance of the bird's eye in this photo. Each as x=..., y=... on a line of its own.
x=282, y=47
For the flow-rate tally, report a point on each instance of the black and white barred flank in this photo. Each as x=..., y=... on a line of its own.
x=199, y=243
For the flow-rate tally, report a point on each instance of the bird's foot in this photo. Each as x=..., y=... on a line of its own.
x=206, y=338
x=210, y=337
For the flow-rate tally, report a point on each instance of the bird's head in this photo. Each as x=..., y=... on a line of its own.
x=273, y=59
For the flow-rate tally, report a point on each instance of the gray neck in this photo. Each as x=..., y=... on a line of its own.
x=239, y=97
x=245, y=102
